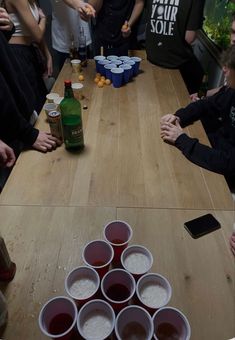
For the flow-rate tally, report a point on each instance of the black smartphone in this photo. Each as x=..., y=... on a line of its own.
x=202, y=225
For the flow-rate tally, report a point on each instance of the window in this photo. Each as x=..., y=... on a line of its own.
x=218, y=21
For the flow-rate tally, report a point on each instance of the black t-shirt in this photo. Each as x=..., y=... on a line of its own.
x=167, y=22
x=111, y=17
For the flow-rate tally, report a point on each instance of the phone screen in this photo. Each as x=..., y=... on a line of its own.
x=202, y=225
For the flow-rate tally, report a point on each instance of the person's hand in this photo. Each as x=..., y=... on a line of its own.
x=232, y=243
x=86, y=11
x=126, y=30
x=169, y=118
x=7, y=156
x=5, y=22
x=46, y=142
x=194, y=97
x=170, y=132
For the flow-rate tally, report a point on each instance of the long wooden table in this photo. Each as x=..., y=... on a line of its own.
x=54, y=203
x=125, y=163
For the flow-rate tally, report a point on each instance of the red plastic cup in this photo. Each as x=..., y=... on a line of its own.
x=118, y=234
x=82, y=284
x=98, y=254
x=57, y=318
x=134, y=322
x=96, y=320
x=153, y=291
x=171, y=322
x=118, y=287
x=137, y=260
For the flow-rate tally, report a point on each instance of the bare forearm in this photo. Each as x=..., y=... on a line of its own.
x=44, y=48
x=137, y=10
x=97, y=4
x=75, y=4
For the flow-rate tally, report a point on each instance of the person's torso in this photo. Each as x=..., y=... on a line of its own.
x=222, y=107
x=165, y=34
x=20, y=29
x=110, y=19
x=66, y=22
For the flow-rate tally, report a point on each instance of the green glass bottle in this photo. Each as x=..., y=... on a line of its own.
x=71, y=116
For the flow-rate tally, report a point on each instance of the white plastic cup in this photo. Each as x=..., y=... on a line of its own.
x=98, y=254
x=51, y=97
x=48, y=107
x=118, y=233
x=82, y=284
x=137, y=260
x=153, y=291
x=76, y=65
x=174, y=321
x=118, y=288
x=58, y=100
x=134, y=322
x=96, y=320
x=57, y=318
x=77, y=90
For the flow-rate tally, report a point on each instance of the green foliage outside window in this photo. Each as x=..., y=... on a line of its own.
x=217, y=23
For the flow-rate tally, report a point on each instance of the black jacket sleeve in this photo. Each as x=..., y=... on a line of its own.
x=211, y=106
x=222, y=162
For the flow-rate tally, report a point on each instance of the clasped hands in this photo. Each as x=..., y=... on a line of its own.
x=170, y=128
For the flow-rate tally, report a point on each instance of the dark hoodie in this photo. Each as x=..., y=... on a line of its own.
x=220, y=109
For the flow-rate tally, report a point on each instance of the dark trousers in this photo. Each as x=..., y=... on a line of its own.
x=59, y=59
x=192, y=74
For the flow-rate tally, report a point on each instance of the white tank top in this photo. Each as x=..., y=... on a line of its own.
x=20, y=29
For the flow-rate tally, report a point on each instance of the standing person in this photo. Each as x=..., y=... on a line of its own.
x=28, y=45
x=114, y=23
x=65, y=26
x=171, y=29
x=15, y=109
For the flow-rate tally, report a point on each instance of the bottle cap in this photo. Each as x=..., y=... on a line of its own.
x=67, y=83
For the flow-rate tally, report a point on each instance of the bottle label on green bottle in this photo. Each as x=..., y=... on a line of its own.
x=73, y=135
